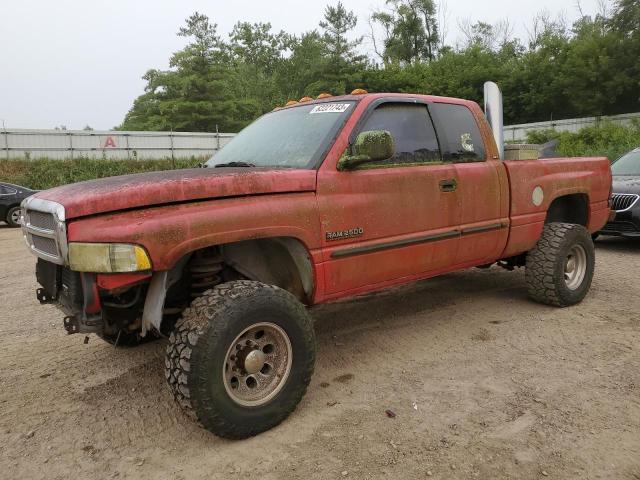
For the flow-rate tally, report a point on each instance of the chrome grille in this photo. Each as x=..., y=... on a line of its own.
x=44, y=229
x=623, y=201
x=42, y=220
x=46, y=245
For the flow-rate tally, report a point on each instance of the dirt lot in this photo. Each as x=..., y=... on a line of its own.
x=484, y=383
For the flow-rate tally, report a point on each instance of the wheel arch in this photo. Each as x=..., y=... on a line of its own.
x=282, y=261
x=570, y=208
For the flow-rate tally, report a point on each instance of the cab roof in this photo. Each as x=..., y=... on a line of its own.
x=368, y=97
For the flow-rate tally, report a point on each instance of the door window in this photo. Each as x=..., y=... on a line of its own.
x=458, y=131
x=411, y=128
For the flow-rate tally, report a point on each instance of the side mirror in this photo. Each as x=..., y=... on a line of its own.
x=371, y=146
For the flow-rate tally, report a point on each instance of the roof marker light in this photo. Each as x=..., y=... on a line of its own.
x=324, y=95
x=290, y=102
x=359, y=91
x=305, y=99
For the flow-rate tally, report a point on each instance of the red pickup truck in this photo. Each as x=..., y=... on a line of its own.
x=314, y=202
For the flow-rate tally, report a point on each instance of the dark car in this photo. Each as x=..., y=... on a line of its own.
x=626, y=192
x=10, y=198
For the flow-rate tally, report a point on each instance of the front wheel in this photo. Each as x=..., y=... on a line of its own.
x=241, y=357
x=13, y=217
x=560, y=268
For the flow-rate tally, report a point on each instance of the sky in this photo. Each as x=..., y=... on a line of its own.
x=80, y=62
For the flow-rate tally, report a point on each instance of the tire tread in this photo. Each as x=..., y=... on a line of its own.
x=200, y=323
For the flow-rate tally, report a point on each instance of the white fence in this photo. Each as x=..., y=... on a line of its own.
x=62, y=144
x=519, y=132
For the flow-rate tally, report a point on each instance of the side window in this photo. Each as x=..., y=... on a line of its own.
x=458, y=132
x=412, y=130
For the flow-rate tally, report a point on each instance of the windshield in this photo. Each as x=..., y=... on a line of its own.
x=628, y=164
x=293, y=137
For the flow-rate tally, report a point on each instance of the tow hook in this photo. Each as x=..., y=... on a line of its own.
x=43, y=297
x=92, y=324
x=71, y=325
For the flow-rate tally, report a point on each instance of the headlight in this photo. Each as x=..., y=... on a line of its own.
x=107, y=257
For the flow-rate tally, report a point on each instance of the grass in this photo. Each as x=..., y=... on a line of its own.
x=41, y=174
x=605, y=140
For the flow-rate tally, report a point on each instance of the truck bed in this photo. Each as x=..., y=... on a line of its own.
x=585, y=180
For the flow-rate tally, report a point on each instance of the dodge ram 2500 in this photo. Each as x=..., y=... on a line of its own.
x=316, y=201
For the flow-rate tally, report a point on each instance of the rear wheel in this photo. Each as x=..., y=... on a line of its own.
x=560, y=268
x=13, y=217
x=241, y=358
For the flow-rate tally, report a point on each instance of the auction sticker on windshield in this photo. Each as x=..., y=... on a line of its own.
x=330, y=108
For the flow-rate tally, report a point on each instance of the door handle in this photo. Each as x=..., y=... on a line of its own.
x=448, y=185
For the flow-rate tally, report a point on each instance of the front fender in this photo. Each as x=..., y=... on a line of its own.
x=170, y=232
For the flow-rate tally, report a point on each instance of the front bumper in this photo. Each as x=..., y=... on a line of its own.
x=619, y=229
x=76, y=294
x=626, y=223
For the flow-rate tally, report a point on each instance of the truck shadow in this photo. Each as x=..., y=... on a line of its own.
x=348, y=325
x=399, y=306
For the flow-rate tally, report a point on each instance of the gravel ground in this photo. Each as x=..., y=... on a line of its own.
x=483, y=382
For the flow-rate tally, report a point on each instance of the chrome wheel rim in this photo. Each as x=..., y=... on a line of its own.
x=257, y=364
x=15, y=216
x=575, y=267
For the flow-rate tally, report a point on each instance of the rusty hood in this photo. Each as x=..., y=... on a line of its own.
x=175, y=186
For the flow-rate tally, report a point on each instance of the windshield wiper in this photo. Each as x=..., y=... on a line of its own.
x=235, y=164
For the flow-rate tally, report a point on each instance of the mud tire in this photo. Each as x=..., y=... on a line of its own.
x=198, y=347
x=545, y=267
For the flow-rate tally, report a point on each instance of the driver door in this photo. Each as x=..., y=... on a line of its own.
x=392, y=221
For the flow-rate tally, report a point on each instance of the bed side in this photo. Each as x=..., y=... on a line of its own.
x=573, y=190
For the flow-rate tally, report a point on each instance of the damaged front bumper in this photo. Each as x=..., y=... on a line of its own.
x=76, y=294
x=82, y=297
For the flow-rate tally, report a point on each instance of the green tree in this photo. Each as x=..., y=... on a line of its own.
x=342, y=65
x=304, y=67
x=196, y=93
x=337, y=24
x=590, y=68
x=411, y=31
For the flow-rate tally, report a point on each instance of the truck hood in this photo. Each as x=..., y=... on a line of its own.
x=174, y=186
x=626, y=184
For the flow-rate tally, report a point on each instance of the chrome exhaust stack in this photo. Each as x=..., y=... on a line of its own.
x=493, y=112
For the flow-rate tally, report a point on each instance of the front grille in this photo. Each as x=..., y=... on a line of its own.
x=44, y=229
x=42, y=220
x=623, y=201
x=622, y=227
x=45, y=245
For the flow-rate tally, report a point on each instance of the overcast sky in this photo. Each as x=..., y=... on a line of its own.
x=79, y=62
